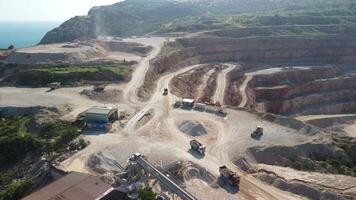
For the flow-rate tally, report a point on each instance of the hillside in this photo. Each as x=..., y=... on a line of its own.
x=139, y=17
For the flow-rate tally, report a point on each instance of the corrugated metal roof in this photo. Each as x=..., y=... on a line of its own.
x=75, y=185
x=100, y=110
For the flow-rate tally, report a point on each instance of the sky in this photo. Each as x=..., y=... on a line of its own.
x=46, y=10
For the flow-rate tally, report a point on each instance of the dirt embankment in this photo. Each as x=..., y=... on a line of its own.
x=316, y=168
x=36, y=78
x=234, y=80
x=79, y=52
x=186, y=85
x=164, y=64
x=209, y=86
x=128, y=47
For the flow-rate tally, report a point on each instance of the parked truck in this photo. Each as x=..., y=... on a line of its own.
x=197, y=146
x=257, y=134
x=229, y=177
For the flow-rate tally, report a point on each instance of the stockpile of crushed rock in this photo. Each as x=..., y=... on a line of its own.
x=193, y=128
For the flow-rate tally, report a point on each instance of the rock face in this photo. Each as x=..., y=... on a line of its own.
x=234, y=80
x=198, y=83
x=317, y=90
x=186, y=84
x=224, y=47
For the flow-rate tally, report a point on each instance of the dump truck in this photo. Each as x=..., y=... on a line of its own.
x=257, y=134
x=229, y=177
x=165, y=92
x=197, y=146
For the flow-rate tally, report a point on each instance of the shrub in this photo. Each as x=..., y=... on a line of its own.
x=147, y=194
x=15, y=190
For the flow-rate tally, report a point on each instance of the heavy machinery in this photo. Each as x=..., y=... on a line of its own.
x=228, y=176
x=177, y=104
x=99, y=87
x=54, y=85
x=257, y=134
x=165, y=92
x=138, y=160
x=197, y=146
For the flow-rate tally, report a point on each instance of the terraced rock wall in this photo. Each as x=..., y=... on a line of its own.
x=263, y=49
x=318, y=90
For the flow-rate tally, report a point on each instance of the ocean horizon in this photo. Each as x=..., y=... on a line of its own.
x=24, y=33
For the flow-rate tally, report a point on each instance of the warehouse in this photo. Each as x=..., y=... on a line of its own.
x=76, y=186
x=100, y=117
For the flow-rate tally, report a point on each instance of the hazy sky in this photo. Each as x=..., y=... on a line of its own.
x=46, y=10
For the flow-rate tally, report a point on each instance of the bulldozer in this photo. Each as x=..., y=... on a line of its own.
x=229, y=177
x=257, y=134
x=197, y=146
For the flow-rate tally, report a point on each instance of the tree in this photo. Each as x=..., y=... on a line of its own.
x=11, y=47
x=147, y=194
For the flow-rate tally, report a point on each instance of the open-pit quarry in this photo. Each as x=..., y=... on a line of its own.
x=280, y=83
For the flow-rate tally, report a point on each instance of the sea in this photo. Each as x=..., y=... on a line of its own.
x=24, y=34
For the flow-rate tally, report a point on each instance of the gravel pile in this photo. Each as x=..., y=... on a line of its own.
x=192, y=128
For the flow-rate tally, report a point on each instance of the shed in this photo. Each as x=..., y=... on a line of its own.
x=98, y=114
x=76, y=186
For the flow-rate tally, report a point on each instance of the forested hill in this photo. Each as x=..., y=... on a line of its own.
x=138, y=17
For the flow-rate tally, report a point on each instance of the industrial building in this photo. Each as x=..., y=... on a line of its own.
x=100, y=117
x=76, y=186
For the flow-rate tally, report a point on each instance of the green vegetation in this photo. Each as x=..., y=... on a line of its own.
x=19, y=148
x=345, y=164
x=6, y=66
x=147, y=194
x=71, y=75
x=138, y=17
x=15, y=190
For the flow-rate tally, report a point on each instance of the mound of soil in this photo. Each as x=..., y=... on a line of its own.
x=336, y=157
x=192, y=128
x=107, y=96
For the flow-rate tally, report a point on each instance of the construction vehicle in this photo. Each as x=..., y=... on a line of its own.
x=165, y=92
x=228, y=176
x=99, y=87
x=257, y=134
x=197, y=146
x=55, y=85
x=177, y=104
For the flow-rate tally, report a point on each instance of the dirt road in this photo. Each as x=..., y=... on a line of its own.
x=243, y=91
x=138, y=76
x=306, y=118
x=221, y=83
